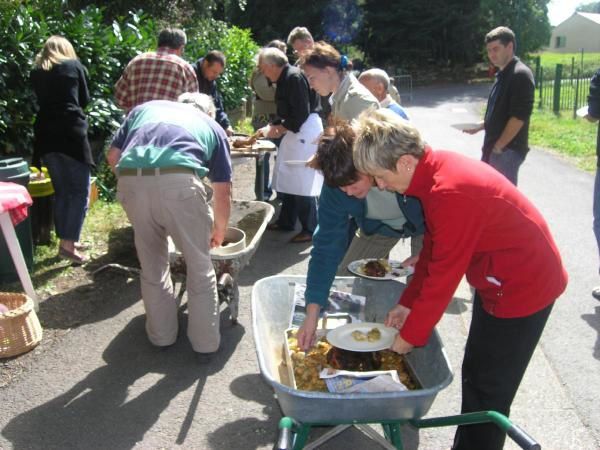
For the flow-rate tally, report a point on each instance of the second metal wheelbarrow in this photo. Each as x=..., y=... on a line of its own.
x=250, y=216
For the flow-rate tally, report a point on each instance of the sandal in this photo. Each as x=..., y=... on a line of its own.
x=72, y=256
x=301, y=238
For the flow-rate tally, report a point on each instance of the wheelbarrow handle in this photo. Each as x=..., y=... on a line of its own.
x=286, y=434
x=522, y=439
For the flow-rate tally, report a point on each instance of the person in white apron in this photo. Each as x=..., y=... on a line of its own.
x=300, y=126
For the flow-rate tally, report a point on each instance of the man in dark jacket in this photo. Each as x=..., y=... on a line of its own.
x=593, y=115
x=509, y=107
x=208, y=69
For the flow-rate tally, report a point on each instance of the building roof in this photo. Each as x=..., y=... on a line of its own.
x=590, y=16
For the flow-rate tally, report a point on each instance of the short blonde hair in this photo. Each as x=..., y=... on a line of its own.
x=55, y=50
x=382, y=137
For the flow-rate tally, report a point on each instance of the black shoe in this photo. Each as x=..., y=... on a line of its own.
x=596, y=293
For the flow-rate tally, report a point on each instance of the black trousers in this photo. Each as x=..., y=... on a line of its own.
x=496, y=357
x=297, y=207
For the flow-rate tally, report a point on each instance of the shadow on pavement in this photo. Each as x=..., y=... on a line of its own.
x=593, y=321
x=116, y=404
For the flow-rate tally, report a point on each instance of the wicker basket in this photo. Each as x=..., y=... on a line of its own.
x=20, y=328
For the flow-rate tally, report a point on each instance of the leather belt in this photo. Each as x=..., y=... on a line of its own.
x=152, y=171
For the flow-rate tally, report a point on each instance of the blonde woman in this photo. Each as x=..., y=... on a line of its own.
x=326, y=71
x=60, y=138
x=479, y=225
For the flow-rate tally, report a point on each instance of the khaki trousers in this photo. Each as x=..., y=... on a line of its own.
x=373, y=246
x=174, y=205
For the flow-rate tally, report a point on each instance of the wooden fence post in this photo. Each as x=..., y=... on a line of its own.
x=557, y=83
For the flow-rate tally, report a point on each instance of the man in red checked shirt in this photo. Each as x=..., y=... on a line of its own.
x=159, y=75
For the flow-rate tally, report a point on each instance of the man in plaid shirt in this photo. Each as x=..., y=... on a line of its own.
x=160, y=75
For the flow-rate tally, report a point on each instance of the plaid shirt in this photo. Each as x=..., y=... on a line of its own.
x=159, y=75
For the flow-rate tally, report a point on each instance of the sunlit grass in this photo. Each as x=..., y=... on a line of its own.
x=575, y=138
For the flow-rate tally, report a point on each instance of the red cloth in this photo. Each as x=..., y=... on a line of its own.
x=480, y=225
x=160, y=75
x=15, y=199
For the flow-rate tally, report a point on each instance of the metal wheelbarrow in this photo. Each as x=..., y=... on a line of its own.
x=250, y=216
x=272, y=302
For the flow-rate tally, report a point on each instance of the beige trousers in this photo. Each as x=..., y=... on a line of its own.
x=174, y=205
x=373, y=246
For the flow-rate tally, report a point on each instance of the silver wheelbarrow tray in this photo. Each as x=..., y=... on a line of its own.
x=272, y=300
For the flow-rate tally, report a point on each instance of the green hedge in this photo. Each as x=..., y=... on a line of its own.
x=105, y=49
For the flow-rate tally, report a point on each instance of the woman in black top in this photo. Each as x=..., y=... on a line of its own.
x=60, y=138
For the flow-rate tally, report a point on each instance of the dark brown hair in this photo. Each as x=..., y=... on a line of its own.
x=322, y=55
x=334, y=155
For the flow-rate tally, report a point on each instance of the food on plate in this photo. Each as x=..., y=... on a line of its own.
x=306, y=366
x=376, y=268
x=359, y=336
x=373, y=335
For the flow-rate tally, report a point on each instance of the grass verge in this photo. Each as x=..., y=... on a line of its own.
x=574, y=138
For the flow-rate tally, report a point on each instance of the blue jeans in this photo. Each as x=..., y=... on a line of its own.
x=507, y=163
x=597, y=209
x=71, y=181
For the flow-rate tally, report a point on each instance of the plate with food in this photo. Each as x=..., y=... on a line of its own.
x=362, y=337
x=379, y=269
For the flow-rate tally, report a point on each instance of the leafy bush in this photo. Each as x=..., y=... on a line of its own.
x=238, y=47
x=104, y=47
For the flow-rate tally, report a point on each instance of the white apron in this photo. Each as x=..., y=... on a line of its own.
x=290, y=175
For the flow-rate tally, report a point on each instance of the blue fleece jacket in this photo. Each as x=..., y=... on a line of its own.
x=330, y=240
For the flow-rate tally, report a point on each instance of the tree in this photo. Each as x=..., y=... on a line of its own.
x=527, y=18
x=593, y=7
x=400, y=31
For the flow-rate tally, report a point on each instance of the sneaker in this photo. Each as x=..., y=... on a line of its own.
x=596, y=293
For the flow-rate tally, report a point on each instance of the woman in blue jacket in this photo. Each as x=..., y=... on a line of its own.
x=348, y=193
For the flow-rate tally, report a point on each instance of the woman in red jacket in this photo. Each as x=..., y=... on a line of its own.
x=478, y=224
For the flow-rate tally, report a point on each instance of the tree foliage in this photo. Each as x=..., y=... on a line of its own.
x=593, y=7
x=104, y=47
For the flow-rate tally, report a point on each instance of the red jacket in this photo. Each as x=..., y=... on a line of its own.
x=480, y=225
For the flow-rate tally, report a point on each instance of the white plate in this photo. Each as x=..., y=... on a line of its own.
x=341, y=337
x=465, y=126
x=582, y=112
x=295, y=162
x=397, y=271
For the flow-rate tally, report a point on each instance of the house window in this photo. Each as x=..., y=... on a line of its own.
x=561, y=41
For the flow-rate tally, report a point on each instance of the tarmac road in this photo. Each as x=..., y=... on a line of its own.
x=104, y=387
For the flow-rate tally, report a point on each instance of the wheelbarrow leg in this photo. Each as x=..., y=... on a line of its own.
x=229, y=293
x=292, y=435
x=391, y=431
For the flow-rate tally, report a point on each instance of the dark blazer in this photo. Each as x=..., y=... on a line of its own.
x=512, y=96
x=210, y=88
x=61, y=125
